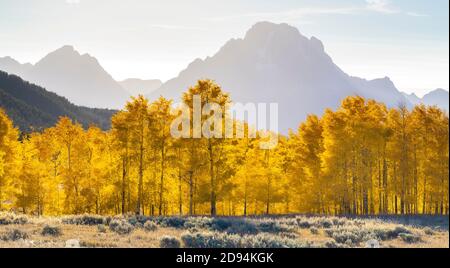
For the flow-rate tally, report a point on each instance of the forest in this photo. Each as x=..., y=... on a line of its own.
x=33, y=108
x=360, y=159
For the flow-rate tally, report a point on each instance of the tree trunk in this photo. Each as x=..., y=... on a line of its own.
x=211, y=174
x=124, y=174
x=141, y=174
x=191, y=193
x=161, y=188
x=180, y=200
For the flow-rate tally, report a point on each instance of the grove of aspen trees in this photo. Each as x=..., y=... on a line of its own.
x=360, y=159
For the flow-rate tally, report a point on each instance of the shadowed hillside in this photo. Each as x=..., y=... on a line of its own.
x=32, y=107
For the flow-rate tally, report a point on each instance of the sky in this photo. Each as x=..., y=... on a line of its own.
x=406, y=40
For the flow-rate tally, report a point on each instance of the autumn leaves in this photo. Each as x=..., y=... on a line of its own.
x=362, y=158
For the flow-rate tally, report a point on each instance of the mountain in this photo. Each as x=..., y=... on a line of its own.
x=10, y=65
x=276, y=63
x=438, y=97
x=136, y=86
x=32, y=107
x=66, y=72
x=412, y=98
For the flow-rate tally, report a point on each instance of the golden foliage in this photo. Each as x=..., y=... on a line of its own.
x=362, y=158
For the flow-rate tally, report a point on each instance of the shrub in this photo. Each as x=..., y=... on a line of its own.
x=10, y=218
x=120, y=226
x=14, y=235
x=333, y=244
x=242, y=227
x=198, y=223
x=211, y=240
x=175, y=222
x=224, y=240
x=85, y=219
x=314, y=230
x=270, y=226
x=400, y=230
x=304, y=224
x=50, y=230
x=386, y=234
x=353, y=234
x=383, y=233
x=133, y=220
x=410, y=238
x=340, y=221
x=289, y=235
x=101, y=228
x=138, y=220
x=428, y=231
x=229, y=225
x=97, y=244
x=221, y=224
x=329, y=232
x=150, y=226
x=350, y=235
x=346, y=237
x=325, y=223
x=265, y=240
x=169, y=242
x=142, y=219
x=291, y=222
x=107, y=220
x=319, y=222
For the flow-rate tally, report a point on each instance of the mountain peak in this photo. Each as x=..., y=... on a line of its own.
x=385, y=81
x=437, y=97
x=267, y=25
x=8, y=59
x=276, y=63
x=438, y=91
x=412, y=95
x=262, y=30
x=67, y=49
x=69, y=56
x=66, y=53
x=80, y=78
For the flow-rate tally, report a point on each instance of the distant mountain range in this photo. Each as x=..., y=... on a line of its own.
x=272, y=63
x=136, y=86
x=33, y=108
x=80, y=78
x=437, y=97
x=275, y=63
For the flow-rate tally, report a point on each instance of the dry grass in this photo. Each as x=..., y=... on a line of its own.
x=90, y=236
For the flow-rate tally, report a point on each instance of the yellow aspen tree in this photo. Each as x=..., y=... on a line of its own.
x=208, y=92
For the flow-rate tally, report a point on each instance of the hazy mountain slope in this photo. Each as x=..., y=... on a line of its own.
x=12, y=66
x=31, y=106
x=136, y=86
x=275, y=63
x=382, y=89
x=412, y=98
x=438, y=97
x=80, y=78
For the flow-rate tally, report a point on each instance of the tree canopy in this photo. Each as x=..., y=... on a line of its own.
x=362, y=158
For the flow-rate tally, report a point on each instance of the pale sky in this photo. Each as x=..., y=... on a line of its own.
x=406, y=40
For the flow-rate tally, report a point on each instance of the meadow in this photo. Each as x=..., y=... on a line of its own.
x=293, y=231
